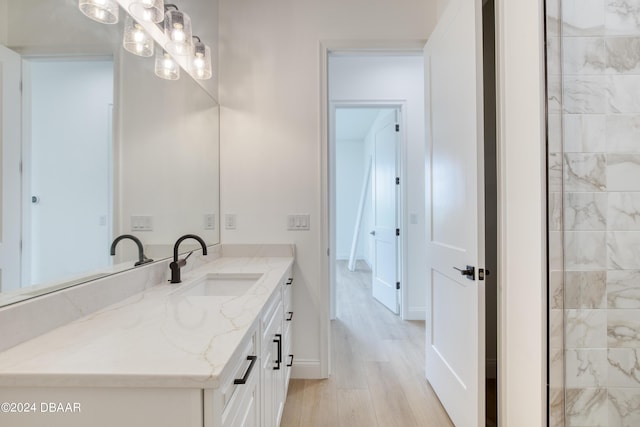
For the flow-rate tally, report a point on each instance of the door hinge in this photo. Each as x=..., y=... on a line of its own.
x=397, y=285
x=20, y=86
x=397, y=231
x=397, y=180
x=20, y=167
x=397, y=127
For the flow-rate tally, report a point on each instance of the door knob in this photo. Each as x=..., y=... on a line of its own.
x=373, y=233
x=469, y=272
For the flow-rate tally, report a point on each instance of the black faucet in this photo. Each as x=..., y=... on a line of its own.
x=142, y=259
x=178, y=263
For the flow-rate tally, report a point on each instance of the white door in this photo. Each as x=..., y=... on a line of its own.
x=10, y=210
x=455, y=353
x=385, y=246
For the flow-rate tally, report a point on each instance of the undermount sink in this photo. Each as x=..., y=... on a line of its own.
x=220, y=285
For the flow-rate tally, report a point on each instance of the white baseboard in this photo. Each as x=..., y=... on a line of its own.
x=492, y=368
x=416, y=313
x=308, y=369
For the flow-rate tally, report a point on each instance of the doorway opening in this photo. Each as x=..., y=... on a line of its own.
x=367, y=199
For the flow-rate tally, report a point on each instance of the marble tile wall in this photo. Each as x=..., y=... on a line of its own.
x=593, y=57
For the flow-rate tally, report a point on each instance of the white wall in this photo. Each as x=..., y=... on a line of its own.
x=397, y=79
x=271, y=150
x=350, y=173
x=4, y=22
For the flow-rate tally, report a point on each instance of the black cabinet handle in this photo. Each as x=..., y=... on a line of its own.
x=243, y=380
x=290, y=364
x=278, y=341
x=289, y=281
x=290, y=313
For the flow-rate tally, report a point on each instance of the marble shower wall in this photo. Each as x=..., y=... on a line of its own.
x=593, y=50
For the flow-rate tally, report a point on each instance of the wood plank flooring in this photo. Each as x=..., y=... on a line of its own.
x=378, y=368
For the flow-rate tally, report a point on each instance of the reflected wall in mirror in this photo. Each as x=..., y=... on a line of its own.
x=92, y=147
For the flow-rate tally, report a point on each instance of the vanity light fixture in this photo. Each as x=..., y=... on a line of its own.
x=177, y=29
x=200, y=62
x=136, y=40
x=103, y=11
x=166, y=67
x=147, y=10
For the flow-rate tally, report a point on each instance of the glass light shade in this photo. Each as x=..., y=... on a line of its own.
x=136, y=40
x=147, y=10
x=166, y=67
x=177, y=29
x=201, y=61
x=103, y=11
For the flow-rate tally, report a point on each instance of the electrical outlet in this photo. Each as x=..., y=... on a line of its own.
x=298, y=222
x=230, y=221
x=209, y=221
x=141, y=223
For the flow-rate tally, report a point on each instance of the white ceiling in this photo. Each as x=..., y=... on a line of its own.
x=354, y=123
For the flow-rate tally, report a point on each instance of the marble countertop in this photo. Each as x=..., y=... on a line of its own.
x=157, y=338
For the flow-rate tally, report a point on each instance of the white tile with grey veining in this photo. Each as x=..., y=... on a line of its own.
x=585, y=289
x=622, y=133
x=556, y=328
x=554, y=94
x=555, y=211
x=554, y=57
x=624, y=407
x=623, y=328
x=623, y=250
x=586, y=368
x=552, y=9
x=585, y=250
x=623, y=172
x=584, y=133
x=583, y=55
x=555, y=172
x=623, y=367
x=623, y=212
x=585, y=172
x=554, y=133
x=622, y=55
x=585, y=328
x=586, y=407
x=556, y=406
x=556, y=289
x=622, y=93
x=622, y=17
x=556, y=367
x=555, y=250
x=623, y=289
x=582, y=17
x=585, y=211
x=585, y=94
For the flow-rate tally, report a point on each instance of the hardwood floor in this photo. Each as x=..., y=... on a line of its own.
x=378, y=368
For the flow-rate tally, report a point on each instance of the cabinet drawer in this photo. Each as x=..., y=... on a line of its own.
x=243, y=368
x=273, y=312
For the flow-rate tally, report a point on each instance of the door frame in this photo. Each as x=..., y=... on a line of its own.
x=327, y=48
x=401, y=196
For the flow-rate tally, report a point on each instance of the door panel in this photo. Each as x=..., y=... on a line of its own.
x=385, y=247
x=10, y=180
x=455, y=353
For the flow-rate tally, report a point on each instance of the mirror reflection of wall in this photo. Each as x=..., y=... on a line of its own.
x=99, y=151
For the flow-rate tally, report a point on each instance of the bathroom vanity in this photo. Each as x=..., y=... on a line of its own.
x=214, y=350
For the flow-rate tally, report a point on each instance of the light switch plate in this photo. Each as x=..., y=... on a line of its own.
x=209, y=221
x=298, y=222
x=141, y=223
x=230, y=221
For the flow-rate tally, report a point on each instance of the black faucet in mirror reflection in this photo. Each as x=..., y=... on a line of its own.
x=179, y=263
x=142, y=259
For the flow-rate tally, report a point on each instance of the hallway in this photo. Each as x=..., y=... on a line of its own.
x=377, y=368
